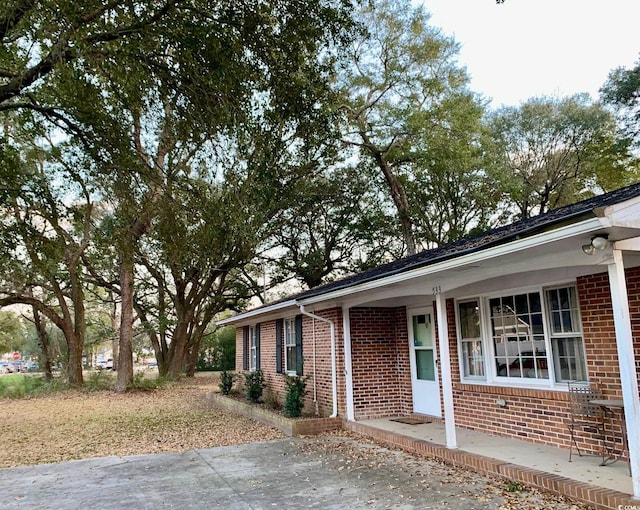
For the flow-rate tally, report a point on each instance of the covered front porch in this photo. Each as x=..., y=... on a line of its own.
x=544, y=467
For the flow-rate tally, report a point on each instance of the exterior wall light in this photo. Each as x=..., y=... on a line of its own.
x=597, y=243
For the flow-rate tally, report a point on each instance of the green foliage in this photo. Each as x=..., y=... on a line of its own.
x=622, y=91
x=21, y=386
x=13, y=332
x=410, y=115
x=294, y=400
x=100, y=380
x=218, y=350
x=226, y=382
x=142, y=383
x=254, y=385
x=515, y=486
x=555, y=152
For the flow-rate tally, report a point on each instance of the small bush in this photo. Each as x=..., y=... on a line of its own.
x=294, y=400
x=21, y=386
x=100, y=380
x=141, y=382
x=226, y=382
x=271, y=401
x=253, y=385
x=515, y=486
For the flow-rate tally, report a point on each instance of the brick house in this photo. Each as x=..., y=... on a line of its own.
x=483, y=333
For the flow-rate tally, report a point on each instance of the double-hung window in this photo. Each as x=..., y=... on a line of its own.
x=470, y=338
x=533, y=337
x=566, y=334
x=290, y=346
x=517, y=334
x=253, y=348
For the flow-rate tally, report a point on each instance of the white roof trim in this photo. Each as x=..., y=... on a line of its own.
x=573, y=230
x=257, y=311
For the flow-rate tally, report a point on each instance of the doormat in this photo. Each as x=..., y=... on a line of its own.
x=409, y=421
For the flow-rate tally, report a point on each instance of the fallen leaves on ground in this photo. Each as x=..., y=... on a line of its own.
x=178, y=417
x=421, y=477
x=79, y=425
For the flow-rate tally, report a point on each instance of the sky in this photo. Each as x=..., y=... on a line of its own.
x=530, y=48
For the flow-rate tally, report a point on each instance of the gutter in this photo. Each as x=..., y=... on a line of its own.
x=334, y=379
x=244, y=316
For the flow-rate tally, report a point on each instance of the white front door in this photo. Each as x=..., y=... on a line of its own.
x=424, y=368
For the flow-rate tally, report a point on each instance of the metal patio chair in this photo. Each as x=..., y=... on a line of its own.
x=585, y=416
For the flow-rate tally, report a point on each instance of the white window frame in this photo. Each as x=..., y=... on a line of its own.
x=491, y=376
x=253, y=348
x=463, y=341
x=578, y=334
x=289, y=341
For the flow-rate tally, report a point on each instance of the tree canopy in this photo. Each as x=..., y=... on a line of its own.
x=157, y=159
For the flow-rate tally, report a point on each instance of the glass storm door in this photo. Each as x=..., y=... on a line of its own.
x=424, y=369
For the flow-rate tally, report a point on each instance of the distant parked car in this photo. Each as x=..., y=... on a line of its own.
x=107, y=364
x=4, y=367
x=32, y=366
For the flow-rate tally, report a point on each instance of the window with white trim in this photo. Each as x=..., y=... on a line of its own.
x=566, y=334
x=253, y=348
x=532, y=337
x=517, y=334
x=471, y=339
x=290, y=359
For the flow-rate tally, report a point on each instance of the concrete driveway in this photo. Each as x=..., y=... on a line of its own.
x=327, y=472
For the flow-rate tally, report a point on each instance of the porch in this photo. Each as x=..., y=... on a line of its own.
x=544, y=467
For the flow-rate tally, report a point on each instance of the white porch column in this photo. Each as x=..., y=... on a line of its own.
x=348, y=371
x=445, y=372
x=626, y=359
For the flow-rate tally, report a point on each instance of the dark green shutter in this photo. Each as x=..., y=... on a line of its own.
x=257, y=346
x=299, y=367
x=279, y=329
x=245, y=353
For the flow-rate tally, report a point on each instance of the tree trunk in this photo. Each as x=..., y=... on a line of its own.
x=401, y=201
x=192, y=358
x=74, y=368
x=43, y=340
x=398, y=193
x=125, y=354
x=178, y=347
x=115, y=339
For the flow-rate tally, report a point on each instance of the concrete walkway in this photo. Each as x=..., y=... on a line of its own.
x=323, y=473
x=545, y=467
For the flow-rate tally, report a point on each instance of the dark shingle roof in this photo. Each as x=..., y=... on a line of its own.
x=525, y=228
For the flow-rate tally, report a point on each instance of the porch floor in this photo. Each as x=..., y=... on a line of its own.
x=545, y=467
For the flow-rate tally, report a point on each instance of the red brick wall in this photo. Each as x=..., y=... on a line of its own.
x=382, y=380
x=322, y=333
x=380, y=362
x=540, y=416
x=275, y=389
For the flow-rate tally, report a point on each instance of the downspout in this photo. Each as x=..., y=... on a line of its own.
x=315, y=383
x=334, y=380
